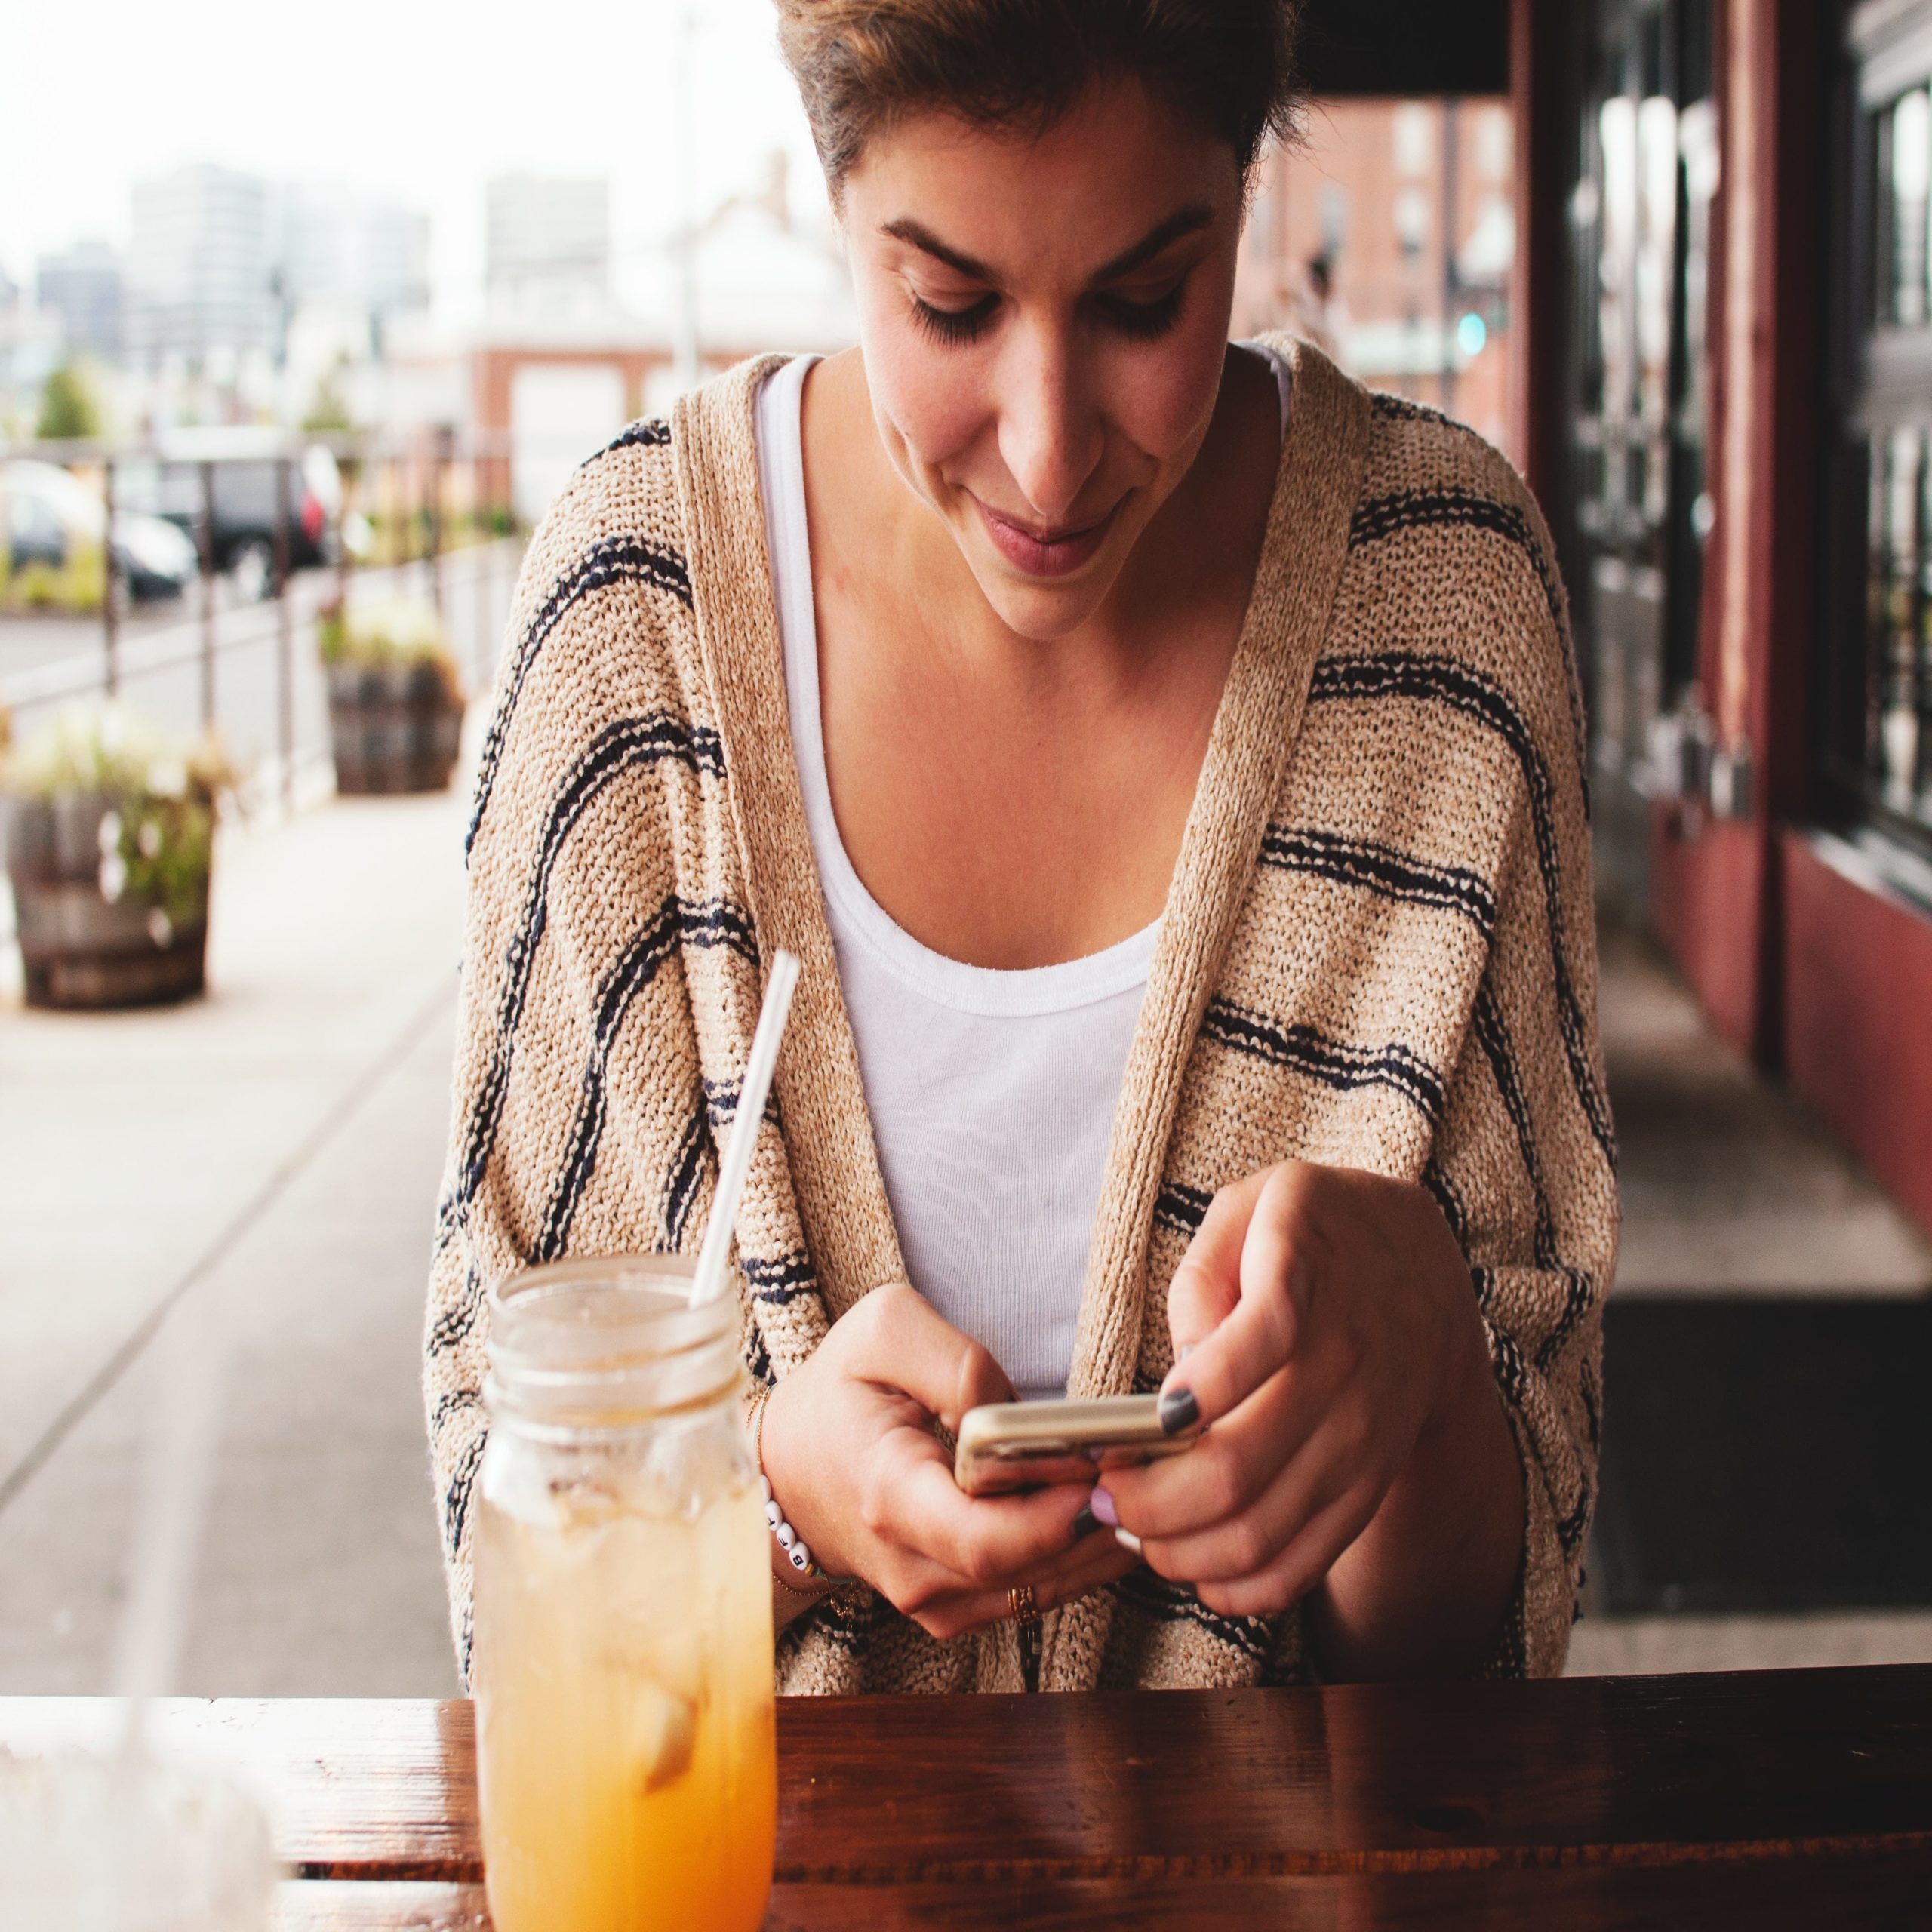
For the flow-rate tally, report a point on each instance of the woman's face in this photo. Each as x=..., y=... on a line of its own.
x=1045, y=323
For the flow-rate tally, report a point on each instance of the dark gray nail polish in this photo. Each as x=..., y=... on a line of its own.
x=1085, y=1524
x=1179, y=1410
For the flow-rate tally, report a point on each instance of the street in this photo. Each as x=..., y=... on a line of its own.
x=46, y=660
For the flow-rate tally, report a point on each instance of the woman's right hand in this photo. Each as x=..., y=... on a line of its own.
x=849, y=1449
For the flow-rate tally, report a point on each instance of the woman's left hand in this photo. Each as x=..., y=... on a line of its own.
x=1324, y=1328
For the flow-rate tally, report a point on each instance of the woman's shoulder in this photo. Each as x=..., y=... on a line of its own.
x=616, y=519
x=1453, y=558
x=600, y=641
x=1424, y=469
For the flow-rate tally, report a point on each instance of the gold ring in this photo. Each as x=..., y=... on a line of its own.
x=1020, y=1606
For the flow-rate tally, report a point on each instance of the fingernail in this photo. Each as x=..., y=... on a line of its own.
x=1127, y=1541
x=1085, y=1524
x=1179, y=1410
x=1101, y=1505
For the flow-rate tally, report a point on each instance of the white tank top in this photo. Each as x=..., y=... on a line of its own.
x=992, y=1093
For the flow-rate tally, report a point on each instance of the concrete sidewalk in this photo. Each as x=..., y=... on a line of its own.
x=276, y=1145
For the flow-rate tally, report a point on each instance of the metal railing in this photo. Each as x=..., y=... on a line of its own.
x=435, y=504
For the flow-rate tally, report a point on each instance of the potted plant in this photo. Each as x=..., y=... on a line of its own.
x=396, y=703
x=110, y=839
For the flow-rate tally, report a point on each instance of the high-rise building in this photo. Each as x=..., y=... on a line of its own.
x=82, y=286
x=347, y=251
x=201, y=266
x=547, y=241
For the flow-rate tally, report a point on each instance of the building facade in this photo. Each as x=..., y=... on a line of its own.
x=1724, y=398
x=1387, y=233
x=83, y=286
x=349, y=252
x=200, y=269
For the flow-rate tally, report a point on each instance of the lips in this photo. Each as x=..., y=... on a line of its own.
x=1056, y=553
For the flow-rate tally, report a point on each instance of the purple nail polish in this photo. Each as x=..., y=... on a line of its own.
x=1101, y=1505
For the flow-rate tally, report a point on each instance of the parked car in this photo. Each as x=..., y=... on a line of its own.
x=244, y=474
x=46, y=512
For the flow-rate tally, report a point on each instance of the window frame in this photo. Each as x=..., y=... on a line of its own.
x=1879, y=375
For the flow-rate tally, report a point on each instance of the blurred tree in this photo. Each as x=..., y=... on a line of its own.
x=328, y=411
x=67, y=405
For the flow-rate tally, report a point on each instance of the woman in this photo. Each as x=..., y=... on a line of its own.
x=1164, y=757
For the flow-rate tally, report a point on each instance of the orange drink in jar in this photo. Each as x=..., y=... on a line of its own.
x=622, y=1658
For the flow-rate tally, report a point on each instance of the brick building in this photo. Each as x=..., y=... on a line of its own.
x=1388, y=232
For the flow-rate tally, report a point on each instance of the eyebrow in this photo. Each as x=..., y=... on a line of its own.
x=1189, y=220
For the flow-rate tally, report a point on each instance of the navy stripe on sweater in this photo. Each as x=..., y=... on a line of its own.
x=1443, y=681
x=618, y=749
x=1181, y=1208
x=1493, y=1034
x=1175, y=1603
x=714, y=922
x=1436, y=1178
x=681, y=1184
x=721, y=1098
x=1380, y=517
x=782, y=1279
x=461, y=1487
x=653, y=432
x=614, y=560
x=1335, y=1063
x=1383, y=870
x=460, y=1318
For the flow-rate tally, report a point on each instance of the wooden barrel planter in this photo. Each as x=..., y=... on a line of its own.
x=393, y=727
x=80, y=949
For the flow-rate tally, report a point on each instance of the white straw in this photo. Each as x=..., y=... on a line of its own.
x=710, y=1282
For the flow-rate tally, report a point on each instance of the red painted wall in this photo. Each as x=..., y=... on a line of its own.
x=1709, y=902
x=1858, y=992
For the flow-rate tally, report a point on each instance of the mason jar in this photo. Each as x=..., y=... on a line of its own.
x=622, y=1665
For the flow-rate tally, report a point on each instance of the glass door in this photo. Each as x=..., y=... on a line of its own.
x=1640, y=226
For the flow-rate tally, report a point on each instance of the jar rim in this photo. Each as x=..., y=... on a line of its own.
x=600, y=1343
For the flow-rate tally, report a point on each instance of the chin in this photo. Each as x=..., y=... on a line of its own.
x=1043, y=608
x=1045, y=612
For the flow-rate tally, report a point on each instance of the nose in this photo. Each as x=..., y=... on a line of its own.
x=1050, y=434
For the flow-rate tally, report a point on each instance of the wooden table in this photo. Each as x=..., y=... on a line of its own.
x=1792, y=1798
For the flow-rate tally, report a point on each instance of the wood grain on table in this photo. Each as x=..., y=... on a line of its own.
x=1800, y=1798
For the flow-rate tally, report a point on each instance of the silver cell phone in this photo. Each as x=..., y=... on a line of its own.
x=1026, y=1445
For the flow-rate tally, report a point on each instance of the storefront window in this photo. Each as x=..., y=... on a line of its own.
x=1876, y=717
x=1640, y=222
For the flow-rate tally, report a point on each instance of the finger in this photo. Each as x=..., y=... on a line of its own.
x=976, y=1609
x=1240, y=1353
x=1248, y=1540
x=979, y=1539
x=1206, y=1287
x=1221, y=1475
x=1302, y=1565
x=909, y=1345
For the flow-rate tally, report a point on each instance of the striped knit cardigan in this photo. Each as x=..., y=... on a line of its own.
x=1378, y=951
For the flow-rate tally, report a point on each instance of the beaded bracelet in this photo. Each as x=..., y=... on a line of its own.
x=796, y=1552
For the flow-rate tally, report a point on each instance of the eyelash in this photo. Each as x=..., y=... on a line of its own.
x=954, y=325
x=1141, y=321
x=1144, y=320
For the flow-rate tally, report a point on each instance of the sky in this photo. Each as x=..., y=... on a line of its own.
x=419, y=102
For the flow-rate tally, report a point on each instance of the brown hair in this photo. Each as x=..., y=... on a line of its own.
x=1226, y=65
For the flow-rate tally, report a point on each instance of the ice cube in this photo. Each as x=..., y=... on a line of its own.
x=661, y=1729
